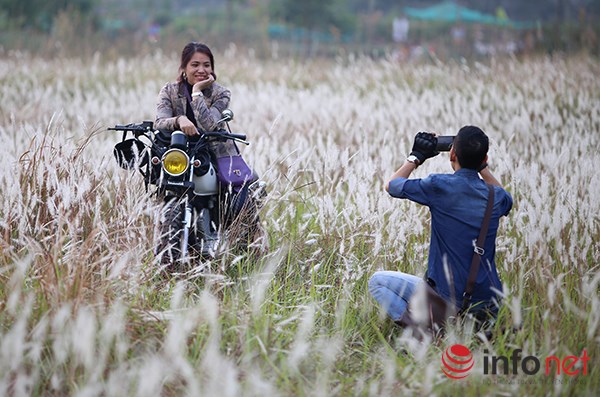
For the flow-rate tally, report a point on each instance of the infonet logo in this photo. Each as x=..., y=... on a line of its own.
x=457, y=362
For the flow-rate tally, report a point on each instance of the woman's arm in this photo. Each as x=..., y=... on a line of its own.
x=166, y=119
x=208, y=116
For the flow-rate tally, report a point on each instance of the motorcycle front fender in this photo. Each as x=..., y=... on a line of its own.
x=207, y=184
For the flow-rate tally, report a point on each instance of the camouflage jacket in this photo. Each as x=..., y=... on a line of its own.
x=207, y=111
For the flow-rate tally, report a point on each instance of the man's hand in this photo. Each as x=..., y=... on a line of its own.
x=424, y=146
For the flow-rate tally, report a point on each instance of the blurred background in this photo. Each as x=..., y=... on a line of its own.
x=405, y=29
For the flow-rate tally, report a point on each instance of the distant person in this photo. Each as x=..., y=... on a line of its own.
x=194, y=102
x=400, y=28
x=154, y=33
x=457, y=203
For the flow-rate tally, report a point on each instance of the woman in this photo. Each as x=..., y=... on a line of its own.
x=193, y=104
x=195, y=101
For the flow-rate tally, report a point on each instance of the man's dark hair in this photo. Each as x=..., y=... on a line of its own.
x=471, y=146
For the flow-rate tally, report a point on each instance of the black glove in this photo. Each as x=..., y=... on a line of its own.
x=424, y=146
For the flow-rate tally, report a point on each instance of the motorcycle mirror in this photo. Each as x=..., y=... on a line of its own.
x=226, y=115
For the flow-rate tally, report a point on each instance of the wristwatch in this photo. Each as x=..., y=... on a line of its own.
x=413, y=159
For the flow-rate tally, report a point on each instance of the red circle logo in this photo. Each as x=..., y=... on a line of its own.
x=457, y=361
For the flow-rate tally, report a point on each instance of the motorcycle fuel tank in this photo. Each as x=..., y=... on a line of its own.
x=206, y=184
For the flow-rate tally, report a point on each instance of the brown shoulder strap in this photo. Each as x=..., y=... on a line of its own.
x=478, y=250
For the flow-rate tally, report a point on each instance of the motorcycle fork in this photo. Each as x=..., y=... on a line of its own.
x=187, y=217
x=206, y=237
x=187, y=221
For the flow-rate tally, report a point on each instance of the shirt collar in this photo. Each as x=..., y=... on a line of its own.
x=467, y=172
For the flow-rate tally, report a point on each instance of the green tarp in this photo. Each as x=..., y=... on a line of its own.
x=451, y=12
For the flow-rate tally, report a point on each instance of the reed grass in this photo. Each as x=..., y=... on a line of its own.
x=82, y=311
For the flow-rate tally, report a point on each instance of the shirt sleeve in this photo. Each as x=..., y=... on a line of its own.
x=165, y=117
x=417, y=190
x=506, y=202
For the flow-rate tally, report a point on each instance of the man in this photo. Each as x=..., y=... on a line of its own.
x=457, y=203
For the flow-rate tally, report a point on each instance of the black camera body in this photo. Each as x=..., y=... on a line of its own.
x=444, y=143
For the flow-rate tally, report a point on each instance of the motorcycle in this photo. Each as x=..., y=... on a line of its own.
x=207, y=200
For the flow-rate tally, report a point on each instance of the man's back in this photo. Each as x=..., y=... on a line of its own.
x=457, y=203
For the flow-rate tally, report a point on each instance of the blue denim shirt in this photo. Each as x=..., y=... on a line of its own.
x=457, y=204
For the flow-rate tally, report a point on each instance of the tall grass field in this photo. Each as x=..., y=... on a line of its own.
x=84, y=313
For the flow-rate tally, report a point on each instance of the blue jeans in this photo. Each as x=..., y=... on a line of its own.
x=392, y=290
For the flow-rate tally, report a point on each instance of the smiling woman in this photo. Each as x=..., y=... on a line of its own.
x=195, y=101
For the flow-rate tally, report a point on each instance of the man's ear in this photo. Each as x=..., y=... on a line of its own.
x=453, y=155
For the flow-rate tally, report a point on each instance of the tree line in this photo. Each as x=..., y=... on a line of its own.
x=311, y=14
x=564, y=24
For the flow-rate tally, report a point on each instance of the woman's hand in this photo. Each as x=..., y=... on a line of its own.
x=187, y=126
x=199, y=86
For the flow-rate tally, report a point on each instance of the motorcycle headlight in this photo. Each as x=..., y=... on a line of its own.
x=175, y=162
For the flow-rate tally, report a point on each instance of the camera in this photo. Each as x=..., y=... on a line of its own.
x=444, y=143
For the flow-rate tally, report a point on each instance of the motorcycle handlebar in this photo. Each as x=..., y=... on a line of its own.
x=125, y=128
x=142, y=128
x=135, y=128
x=225, y=135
